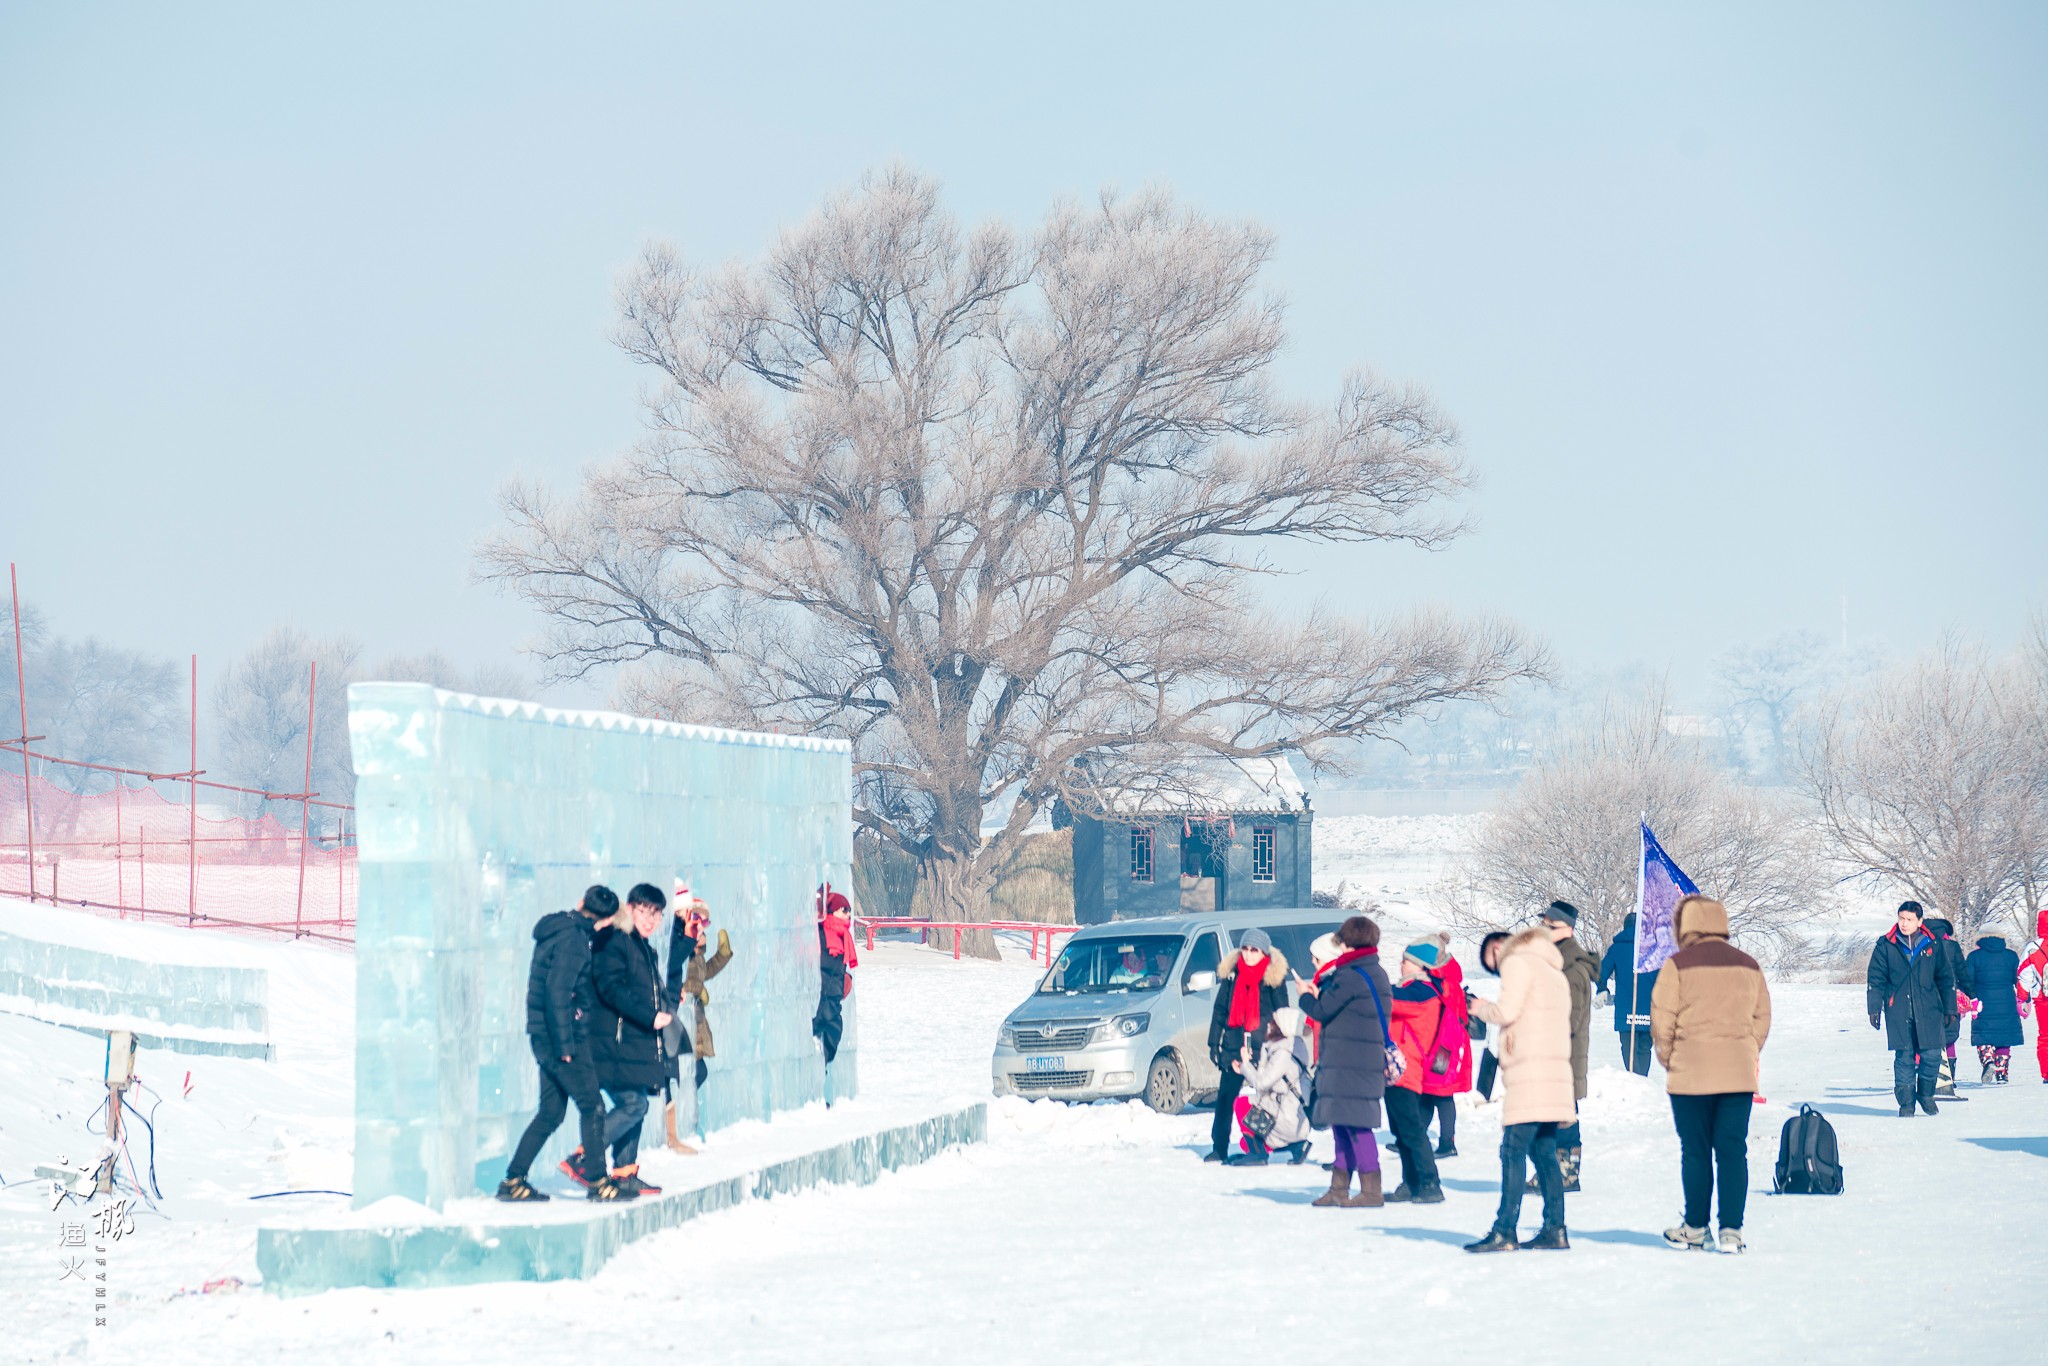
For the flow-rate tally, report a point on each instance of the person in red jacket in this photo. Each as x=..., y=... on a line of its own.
x=1428, y=1031
x=2034, y=988
x=836, y=962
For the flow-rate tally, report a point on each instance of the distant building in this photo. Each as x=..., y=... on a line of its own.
x=1234, y=836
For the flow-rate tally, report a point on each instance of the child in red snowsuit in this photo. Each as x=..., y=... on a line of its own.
x=2034, y=988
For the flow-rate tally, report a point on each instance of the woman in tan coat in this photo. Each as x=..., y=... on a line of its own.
x=1709, y=1017
x=1534, y=1012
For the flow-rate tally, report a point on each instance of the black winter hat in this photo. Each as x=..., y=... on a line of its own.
x=1562, y=911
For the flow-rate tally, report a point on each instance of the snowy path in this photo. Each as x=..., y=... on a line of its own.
x=1095, y=1234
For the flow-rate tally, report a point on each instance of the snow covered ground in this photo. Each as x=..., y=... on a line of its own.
x=1076, y=1234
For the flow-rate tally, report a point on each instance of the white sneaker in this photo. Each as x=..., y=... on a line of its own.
x=1685, y=1236
x=1731, y=1240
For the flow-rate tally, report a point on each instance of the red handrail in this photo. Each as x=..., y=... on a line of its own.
x=960, y=927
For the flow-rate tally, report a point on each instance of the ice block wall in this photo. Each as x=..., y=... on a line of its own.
x=476, y=817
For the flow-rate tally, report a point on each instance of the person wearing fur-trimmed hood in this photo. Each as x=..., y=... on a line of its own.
x=1250, y=985
x=1534, y=1011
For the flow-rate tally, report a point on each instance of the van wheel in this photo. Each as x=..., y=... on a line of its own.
x=1166, y=1086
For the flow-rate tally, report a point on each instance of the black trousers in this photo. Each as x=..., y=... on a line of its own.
x=1227, y=1092
x=829, y=1024
x=1637, y=1049
x=1445, y=1109
x=1408, y=1116
x=560, y=1083
x=1519, y=1145
x=1713, y=1135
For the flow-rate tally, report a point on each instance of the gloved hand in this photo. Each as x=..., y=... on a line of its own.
x=1876, y=1021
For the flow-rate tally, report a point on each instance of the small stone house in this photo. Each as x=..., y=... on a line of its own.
x=1236, y=836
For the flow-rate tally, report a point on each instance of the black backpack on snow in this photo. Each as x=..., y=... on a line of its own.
x=1808, y=1161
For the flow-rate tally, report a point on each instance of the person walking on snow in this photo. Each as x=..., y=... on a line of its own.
x=1347, y=998
x=1251, y=985
x=1911, y=996
x=2034, y=988
x=1710, y=1013
x=1631, y=992
x=633, y=1010
x=1534, y=1012
x=1429, y=1034
x=559, y=1005
x=1560, y=919
x=1944, y=933
x=1995, y=1030
x=1276, y=1082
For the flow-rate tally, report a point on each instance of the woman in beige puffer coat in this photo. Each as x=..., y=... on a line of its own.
x=1534, y=1012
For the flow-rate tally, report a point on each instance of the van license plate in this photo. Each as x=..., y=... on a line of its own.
x=1046, y=1064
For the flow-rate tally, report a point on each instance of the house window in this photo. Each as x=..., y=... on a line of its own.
x=1141, y=855
x=1262, y=854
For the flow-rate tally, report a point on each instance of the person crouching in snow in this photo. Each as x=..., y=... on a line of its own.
x=1534, y=1011
x=1251, y=985
x=836, y=962
x=1276, y=1087
x=1710, y=1013
x=1347, y=999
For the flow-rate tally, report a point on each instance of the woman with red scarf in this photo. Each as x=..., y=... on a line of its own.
x=836, y=962
x=1348, y=998
x=1251, y=985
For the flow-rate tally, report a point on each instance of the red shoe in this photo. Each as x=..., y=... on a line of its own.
x=570, y=1169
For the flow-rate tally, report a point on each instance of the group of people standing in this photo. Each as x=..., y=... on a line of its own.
x=1363, y=1048
x=1921, y=986
x=603, y=1019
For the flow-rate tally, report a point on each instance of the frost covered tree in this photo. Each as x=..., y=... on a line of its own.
x=1936, y=779
x=92, y=702
x=995, y=506
x=1569, y=831
x=259, y=719
x=1767, y=683
x=485, y=680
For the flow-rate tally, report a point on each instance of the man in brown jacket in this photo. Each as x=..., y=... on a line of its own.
x=1581, y=969
x=1709, y=1016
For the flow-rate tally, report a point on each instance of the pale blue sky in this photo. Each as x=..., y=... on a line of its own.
x=1741, y=307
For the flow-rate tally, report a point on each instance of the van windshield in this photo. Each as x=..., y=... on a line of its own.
x=1139, y=962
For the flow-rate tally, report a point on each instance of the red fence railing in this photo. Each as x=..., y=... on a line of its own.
x=869, y=924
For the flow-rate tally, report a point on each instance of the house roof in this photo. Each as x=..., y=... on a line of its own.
x=1216, y=787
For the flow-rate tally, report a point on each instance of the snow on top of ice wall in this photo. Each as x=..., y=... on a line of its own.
x=476, y=817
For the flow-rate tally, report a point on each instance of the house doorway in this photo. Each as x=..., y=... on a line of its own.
x=1204, y=869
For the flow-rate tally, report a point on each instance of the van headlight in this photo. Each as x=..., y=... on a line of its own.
x=1122, y=1027
x=1007, y=1037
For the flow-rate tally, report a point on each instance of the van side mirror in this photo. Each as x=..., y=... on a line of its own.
x=1199, y=981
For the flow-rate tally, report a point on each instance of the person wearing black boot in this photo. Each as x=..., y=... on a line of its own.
x=1534, y=1012
x=1273, y=1110
x=1251, y=985
x=1911, y=995
x=1631, y=991
x=1420, y=1030
x=1560, y=920
x=559, y=1005
x=1944, y=934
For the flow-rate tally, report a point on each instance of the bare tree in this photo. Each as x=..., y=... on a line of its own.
x=1767, y=683
x=1936, y=779
x=993, y=508
x=1570, y=831
x=260, y=718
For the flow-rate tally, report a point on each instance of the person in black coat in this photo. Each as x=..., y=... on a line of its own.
x=1944, y=933
x=1631, y=997
x=559, y=1008
x=1349, y=998
x=1912, y=997
x=633, y=1009
x=1994, y=975
x=1250, y=985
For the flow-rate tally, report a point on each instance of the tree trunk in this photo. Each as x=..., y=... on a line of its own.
x=955, y=890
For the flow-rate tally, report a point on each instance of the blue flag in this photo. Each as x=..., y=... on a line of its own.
x=1662, y=886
